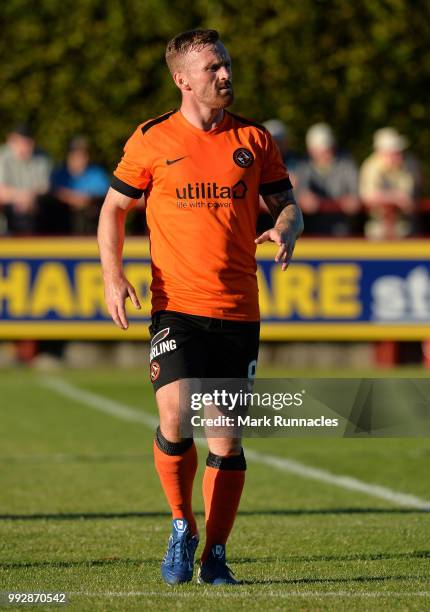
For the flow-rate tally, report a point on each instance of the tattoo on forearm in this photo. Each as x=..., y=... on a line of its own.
x=285, y=212
x=278, y=201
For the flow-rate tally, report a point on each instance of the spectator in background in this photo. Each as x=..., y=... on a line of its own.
x=77, y=192
x=327, y=175
x=389, y=185
x=279, y=132
x=24, y=176
x=280, y=135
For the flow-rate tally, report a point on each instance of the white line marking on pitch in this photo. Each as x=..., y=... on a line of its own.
x=239, y=593
x=98, y=402
x=127, y=413
x=345, y=482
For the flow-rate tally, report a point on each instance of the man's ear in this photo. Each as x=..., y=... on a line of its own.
x=181, y=81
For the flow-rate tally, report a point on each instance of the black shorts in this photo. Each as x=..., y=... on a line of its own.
x=190, y=346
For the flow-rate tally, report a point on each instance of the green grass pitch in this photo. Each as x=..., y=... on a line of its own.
x=81, y=511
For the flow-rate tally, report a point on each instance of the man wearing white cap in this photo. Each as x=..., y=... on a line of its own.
x=388, y=186
x=327, y=176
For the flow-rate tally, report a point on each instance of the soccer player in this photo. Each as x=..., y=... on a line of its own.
x=201, y=169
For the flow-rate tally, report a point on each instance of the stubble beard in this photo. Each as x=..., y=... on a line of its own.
x=220, y=99
x=225, y=99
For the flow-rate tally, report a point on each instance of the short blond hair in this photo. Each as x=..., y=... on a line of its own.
x=185, y=42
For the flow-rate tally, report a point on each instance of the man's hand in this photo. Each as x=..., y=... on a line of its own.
x=110, y=235
x=349, y=204
x=76, y=199
x=391, y=197
x=309, y=202
x=288, y=225
x=24, y=201
x=116, y=292
x=286, y=241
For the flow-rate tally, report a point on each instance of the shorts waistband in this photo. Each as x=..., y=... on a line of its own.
x=207, y=322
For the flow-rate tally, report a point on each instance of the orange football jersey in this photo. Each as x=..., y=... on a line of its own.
x=202, y=192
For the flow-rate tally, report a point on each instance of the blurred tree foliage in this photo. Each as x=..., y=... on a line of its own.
x=97, y=66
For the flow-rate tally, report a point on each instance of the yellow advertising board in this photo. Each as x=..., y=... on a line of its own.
x=333, y=290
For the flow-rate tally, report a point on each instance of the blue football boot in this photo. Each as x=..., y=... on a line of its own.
x=177, y=565
x=215, y=569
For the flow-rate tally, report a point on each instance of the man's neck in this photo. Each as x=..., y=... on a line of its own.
x=202, y=117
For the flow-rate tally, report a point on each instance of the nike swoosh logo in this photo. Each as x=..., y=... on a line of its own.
x=173, y=161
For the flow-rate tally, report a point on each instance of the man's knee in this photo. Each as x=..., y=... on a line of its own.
x=169, y=410
x=225, y=447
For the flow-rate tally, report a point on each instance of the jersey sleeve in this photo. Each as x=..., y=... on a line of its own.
x=274, y=175
x=133, y=175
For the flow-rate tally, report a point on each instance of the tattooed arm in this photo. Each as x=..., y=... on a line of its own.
x=288, y=225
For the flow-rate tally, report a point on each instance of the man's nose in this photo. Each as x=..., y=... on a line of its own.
x=224, y=73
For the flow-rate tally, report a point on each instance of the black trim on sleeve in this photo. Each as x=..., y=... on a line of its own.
x=246, y=121
x=125, y=189
x=160, y=119
x=275, y=187
x=234, y=462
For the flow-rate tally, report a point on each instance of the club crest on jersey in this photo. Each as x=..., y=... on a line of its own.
x=154, y=371
x=243, y=157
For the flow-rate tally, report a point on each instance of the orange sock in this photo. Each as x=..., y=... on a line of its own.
x=223, y=482
x=176, y=464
